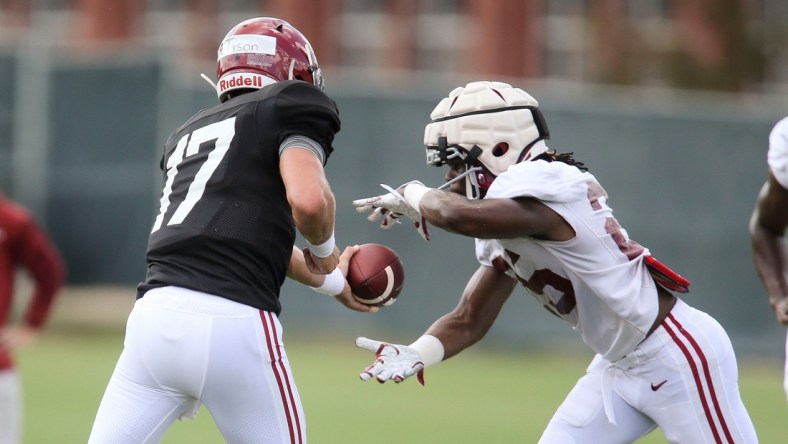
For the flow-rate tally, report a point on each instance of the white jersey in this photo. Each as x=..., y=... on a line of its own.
x=597, y=281
x=778, y=152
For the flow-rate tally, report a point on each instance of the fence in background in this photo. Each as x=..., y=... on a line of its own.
x=80, y=144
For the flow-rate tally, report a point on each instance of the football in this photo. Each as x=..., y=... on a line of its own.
x=375, y=274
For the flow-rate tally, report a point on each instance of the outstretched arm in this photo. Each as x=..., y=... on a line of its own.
x=493, y=218
x=484, y=295
x=767, y=238
x=503, y=218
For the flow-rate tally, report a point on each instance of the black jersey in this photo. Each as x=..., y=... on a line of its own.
x=224, y=225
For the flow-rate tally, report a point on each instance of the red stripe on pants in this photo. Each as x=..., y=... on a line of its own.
x=696, y=375
x=282, y=379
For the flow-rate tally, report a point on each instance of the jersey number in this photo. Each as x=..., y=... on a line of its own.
x=221, y=134
x=539, y=279
x=536, y=283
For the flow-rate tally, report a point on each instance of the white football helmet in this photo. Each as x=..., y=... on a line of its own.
x=490, y=126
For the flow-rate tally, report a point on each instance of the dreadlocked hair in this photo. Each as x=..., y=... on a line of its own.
x=567, y=158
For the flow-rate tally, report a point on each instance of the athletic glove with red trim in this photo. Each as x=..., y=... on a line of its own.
x=391, y=206
x=394, y=362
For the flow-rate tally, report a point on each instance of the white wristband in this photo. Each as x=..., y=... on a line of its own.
x=429, y=348
x=333, y=284
x=325, y=249
x=414, y=193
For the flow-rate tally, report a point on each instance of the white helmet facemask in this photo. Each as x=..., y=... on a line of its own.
x=442, y=154
x=490, y=126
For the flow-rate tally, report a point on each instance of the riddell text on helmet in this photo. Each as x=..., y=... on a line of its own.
x=241, y=80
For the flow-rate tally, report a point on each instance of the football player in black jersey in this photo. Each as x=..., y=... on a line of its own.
x=239, y=180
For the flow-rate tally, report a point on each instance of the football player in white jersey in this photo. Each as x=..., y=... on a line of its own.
x=767, y=228
x=541, y=220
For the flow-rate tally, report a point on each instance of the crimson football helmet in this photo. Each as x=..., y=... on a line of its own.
x=261, y=51
x=490, y=126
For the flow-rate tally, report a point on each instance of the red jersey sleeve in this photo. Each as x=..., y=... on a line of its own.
x=43, y=262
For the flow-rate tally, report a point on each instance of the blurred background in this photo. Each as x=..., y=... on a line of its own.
x=669, y=103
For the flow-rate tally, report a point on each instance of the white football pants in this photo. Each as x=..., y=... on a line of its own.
x=185, y=348
x=683, y=379
x=10, y=407
x=785, y=378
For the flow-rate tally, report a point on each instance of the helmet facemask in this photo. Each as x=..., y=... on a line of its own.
x=443, y=153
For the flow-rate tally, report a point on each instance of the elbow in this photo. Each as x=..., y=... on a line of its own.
x=754, y=223
x=311, y=208
x=61, y=273
x=314, y=217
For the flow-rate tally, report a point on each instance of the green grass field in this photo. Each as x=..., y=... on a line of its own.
x=479, y=396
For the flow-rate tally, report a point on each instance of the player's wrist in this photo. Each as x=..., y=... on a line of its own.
x=324, y=249
x=333, y=284
x=429, y=348
x=414, y=193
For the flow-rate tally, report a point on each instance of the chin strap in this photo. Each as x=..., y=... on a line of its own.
x=290, y=72
x=459, y=177
x=207, y=79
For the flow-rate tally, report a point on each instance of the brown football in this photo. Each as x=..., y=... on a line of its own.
x=376, y=275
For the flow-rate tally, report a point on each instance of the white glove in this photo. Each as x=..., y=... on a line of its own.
x=392, y=206
x=394, y=362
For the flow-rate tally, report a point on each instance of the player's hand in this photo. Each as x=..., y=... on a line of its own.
x=393, y=362
x=321, y=265
x=391, y=206
x=780, y=308
x=17, y=337
x=346, y=296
